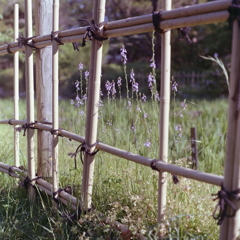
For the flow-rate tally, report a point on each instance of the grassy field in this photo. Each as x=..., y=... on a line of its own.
x=123, y=191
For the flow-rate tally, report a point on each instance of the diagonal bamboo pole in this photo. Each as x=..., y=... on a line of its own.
x=43, y=25
x=231, y=170
x=30, y=97
x=92, y=107
x=164, y=116
x=55, y=90
x=16, y=86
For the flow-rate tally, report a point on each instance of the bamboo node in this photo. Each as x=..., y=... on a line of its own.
x=92, y=31
x=54, y=36
x=224, y=197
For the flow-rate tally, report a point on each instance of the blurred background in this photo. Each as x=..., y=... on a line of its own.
x=197, y=78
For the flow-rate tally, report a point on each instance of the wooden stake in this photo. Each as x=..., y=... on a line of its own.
x=16, y=86
x=55, y=92
x=43, y=22
x=194, y=148
x=30, y=97
x=231, y=169
x=164, y=115
x=92, y=107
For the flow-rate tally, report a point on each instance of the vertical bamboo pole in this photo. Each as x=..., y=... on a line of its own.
x=164, y=115
x=55, y=91
x=231, y=171
x=43, y=25
x=16, y=87
x=30, y=96
x=92, y=109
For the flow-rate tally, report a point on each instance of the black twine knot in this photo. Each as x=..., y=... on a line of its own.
x=55, y=132
x=55, y=195
x=8, y=49
x=224, y=199
x=10, y=121
x=27, y=181
x=75, y=46
x=153, y=166
x=26, y=126
x=92, y=31
x=54, y=36
x=22, y=41
x=83, y=149
x=156, y=18
x=183, y=33
x=234, y=12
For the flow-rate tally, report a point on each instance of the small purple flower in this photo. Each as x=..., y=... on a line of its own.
x=157, y=96
x=84, y=97
x=81, y=113
x=129, y=105
x=178, y=127
x=100, y=103
x=215, y=55
x=183, y=105
x=138, y=109
x=152, y=64
x=135, y=87
x=151, y=80
x=174, y=86
x=113, y=90
x=72, y=102
x=145, y=115
x=77, y=85
x=133, y=128
x=123, y=53
x=132, y=75
x=144, y=98
x=119, y=82
x=101, y=94
x=86, y=74
x=80, y=66
x=147, y=143
x=108, y=87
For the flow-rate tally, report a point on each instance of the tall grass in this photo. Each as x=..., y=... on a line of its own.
x=123, y=191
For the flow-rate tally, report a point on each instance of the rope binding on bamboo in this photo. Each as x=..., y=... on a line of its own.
x=55, y=194
x=27, y=181
x=156, y=18
x=224, y=199
x=153, y=166
x=22, y=41
x=92, y=31
x=234, y=12
x=54, y=37
x=183, y=33
x=8, y=49
x=83, y=149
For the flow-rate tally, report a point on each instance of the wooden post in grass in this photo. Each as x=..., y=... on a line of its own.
x=30, y=97
x=164, y=116
x=194, y=148
x=16, y=86
x=230, y=226
x=55, y=91
x=43, y=25
x=92, y=107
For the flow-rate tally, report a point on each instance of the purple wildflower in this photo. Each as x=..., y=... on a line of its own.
x=151, y=80
x=77, y=85
x=129, y=105
x=86, y=74
x=119, y=82
x=138, y=109
x=108, y=87
x=174, y=86
x=81, y=113
x=144, y=98
x=72, y=102
x=100, y=103
x=84, y=97
x=183, y=105
x=152, y=64
x=135, y=87
x=132, y=75
x=123, y=53
x=113, y=90
x=145, y=115
x=80, y=66
x=178, y=127
x=157, y=96
x=147, y=143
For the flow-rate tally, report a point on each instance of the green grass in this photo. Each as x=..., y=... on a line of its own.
x=123, y=191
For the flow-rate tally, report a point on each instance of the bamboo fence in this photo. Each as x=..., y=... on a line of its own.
x=210, y=12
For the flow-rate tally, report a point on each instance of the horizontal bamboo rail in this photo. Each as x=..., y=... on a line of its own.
x=160, y=165
x=205, y=13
